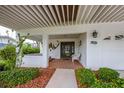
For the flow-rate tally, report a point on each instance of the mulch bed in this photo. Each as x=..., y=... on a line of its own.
x=41, y=81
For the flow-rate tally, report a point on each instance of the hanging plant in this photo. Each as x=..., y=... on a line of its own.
x=53, y=46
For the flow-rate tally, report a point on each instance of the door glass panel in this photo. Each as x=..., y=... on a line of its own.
x=67, y=49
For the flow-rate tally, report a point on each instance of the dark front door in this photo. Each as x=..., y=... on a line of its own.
x=67, y=49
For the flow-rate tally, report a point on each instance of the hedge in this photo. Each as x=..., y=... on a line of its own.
x=30, y=50
x=8, y=57
x=8, y=53
x=107, y=74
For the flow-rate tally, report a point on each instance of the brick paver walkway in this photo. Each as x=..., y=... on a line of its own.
x=65, y=64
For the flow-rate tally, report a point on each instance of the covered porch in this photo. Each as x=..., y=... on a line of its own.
x=54, y=21
x=63, y=51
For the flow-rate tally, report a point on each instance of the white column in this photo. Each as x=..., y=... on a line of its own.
x=45, y=50
x=41, y=48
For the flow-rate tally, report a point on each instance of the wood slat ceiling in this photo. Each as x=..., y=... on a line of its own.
x=33, y=16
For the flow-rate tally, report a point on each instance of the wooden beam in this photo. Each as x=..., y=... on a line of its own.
x=108, y=14
x=77, y=18
x=118, y=13
x=104, y=14
x=45, y=24
x=114, y=14
x=60, y=20
x=96, y=16
x=53, y=13
x=33, y=15
x=26, y=13
x=92, y=15
x=68, y=14
x=13, y=14
x=88, y=14
x=43, y=14
x=119, y=17
x=73, y=14
x=63, y=13
x=83, y=14
x=49, y=15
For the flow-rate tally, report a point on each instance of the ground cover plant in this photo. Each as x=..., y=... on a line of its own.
x=10, y=75
x=103, y=78
x=7, y=57
x=12, y=78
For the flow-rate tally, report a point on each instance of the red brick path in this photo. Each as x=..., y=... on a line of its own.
x=66, y=64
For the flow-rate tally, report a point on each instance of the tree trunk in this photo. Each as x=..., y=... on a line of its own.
x=19, y=57
x=19, y=50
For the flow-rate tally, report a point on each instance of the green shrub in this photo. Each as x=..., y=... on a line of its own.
x=107, y=74
x=100, y=84
x=2, y=65
x=18, y=76
x=104, y=78
x=30, y=50
x=85, y=76
x=119, y=82
x=6, y=65
x=9, y=65
x=8, y=53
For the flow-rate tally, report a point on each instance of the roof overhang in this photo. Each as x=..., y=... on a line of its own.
x=20, y=17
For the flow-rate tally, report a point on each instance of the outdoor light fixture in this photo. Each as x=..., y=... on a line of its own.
x=95, y=34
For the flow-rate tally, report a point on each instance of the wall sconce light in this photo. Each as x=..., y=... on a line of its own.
x=95, y=34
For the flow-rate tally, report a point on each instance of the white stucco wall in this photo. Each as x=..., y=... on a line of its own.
x=107, y=53
x=83, y=48
x=32, y=61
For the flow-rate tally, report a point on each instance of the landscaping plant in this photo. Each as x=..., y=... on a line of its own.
x=107, y=74
x=119, y=82
x=2, y=65
x=6, y=65
x=27, y=49
x=104, y=78
x=8, y=57
x=85, y=76
x=8, y=53
x=12, y=78
x=100, y=84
